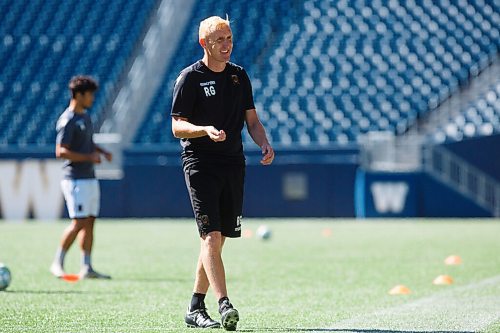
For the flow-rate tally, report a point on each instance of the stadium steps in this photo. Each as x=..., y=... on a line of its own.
x=464, y=178
x=434, y=125
x=145, y=75
x=141, y=80
x=124, y=75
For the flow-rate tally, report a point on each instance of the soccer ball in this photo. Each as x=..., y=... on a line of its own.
x=263, y=232
x=5, y=277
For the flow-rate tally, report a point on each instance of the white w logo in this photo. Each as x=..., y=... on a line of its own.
x=30, y=186
x=389, y=196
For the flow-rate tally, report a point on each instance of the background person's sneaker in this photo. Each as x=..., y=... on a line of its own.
x=57, y=270
x=89, y=273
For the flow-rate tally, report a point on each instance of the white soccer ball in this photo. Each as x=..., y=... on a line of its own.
x=263, y=232
x=5, y=277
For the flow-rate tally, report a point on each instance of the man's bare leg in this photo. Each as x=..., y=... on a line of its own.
x=86, y=244
x=197, y=315
x=201, y=282
x=67, y=239
x=211, y=258
x=70, y=233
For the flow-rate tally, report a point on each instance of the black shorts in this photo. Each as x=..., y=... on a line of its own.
x=216, y=194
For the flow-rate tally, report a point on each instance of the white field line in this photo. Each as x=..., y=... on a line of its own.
x=469, y=308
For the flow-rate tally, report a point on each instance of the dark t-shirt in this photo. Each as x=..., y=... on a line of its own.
x=75, y=130
x=219, y=99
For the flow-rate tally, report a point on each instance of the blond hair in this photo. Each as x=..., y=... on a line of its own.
x=211, y=24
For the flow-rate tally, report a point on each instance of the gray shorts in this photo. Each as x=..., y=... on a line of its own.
x=82, y=197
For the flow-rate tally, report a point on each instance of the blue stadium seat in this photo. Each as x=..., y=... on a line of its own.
x=322, y=71
x=479, y=118
x=329, y=71
x=44, y=43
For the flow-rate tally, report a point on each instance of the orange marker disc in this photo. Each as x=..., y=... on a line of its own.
x=453, y=260
x=443, y=280
x=70, y=277
x=400, y=290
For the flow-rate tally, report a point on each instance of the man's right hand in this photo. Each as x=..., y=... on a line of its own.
x=95, y=158
x=214, y=134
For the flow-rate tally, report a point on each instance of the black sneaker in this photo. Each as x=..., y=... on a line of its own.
x=230, y=316
x=199, y=318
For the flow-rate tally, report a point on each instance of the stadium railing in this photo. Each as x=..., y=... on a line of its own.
x=463, y=177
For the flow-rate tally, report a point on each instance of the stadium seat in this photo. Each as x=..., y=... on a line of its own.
x=479, y=118
x=41, y=49
x=329, y=71
x=323, y=72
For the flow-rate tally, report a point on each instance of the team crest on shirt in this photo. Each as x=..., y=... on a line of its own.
x=235, y=79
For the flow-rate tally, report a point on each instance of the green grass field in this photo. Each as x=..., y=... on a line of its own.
x=299, y=281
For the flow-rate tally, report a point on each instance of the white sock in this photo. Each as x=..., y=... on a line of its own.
x=60, y=254
x=86, y=262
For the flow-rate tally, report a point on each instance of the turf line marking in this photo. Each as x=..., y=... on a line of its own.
x=468, y=308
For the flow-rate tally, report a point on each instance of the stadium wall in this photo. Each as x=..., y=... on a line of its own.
x=312, y=183
x=409, y=194
x=419, y=194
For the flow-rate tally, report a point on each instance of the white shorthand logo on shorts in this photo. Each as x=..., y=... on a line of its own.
x=208, y=87
x=238, y=223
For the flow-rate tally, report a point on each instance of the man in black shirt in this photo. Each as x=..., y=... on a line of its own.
x=212, y=101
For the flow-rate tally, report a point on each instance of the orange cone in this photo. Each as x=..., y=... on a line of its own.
x=453, y=260
x=442, y=280
x=400, y=290
x=327, y=232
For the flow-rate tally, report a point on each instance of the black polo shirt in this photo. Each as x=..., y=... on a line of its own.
x=219, y=99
